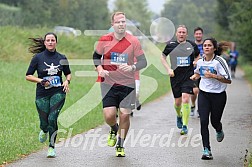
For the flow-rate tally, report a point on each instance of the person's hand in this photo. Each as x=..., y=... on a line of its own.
x=126, y=68
x=194, y=77
x=194, y=63
x=45, y=82
x=65, y=86
x=103, y=73
x=171, y=73
x=208, y=74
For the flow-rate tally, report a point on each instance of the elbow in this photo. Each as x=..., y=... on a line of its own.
x=145, y=64
x=162, y=58
x=27, y=78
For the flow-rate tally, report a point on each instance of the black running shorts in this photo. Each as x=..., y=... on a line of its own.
x=182, y=87
x=119, y=96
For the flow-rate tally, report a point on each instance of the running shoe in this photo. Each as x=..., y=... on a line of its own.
x=179, y=122
x=112, y=138
x=42, y=136
x=138, y=105
x=120, y=151
x=184, y=130
x=192, y=111
x=220, y=136
x=51, y=153
x=207, y=155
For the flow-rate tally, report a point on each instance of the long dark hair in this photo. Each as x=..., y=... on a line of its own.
x=37, y=45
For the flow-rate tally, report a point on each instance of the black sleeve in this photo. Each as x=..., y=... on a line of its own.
x=141, y=62
x=196, y=50
x=33, y=66
x=97, y=59
x=168, y=48
x=66, y=68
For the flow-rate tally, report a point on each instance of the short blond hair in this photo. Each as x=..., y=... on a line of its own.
x=115, y=14
x=183, y=26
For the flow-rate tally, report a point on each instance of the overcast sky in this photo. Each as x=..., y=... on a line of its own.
x=154, y=5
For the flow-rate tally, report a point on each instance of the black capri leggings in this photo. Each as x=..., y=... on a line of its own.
x=49, y=108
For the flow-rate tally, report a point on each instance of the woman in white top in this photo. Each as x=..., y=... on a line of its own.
x=212, y=97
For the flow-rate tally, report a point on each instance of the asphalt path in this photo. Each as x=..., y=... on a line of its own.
x=154, y=140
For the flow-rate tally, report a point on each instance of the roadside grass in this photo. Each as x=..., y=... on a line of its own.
x=247, y=68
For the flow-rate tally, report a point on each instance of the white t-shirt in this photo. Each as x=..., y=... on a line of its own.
x=216, y=66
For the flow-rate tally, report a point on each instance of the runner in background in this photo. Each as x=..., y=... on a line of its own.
x=182, y=53
x=198, y=35
x=234, y=54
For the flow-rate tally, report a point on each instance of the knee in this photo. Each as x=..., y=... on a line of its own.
x=204, y=122
x=216, y=124
x=124, y=117
x=52, y=120
x=186, y=98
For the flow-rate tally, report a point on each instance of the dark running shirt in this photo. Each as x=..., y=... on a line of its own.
x=181, y=59
x=200, y=47
x=49, y=64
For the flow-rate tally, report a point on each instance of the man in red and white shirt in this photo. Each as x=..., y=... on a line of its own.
x=117, y=70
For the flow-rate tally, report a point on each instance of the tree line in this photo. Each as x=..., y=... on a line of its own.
x=79, y=14
x=224, y=19
x=227, y=20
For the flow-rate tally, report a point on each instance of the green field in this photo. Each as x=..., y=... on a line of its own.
x=19, y=123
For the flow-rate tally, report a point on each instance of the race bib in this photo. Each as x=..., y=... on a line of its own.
x=54, y=81
x=183, y=61
x=118, y=58
x=203, y=69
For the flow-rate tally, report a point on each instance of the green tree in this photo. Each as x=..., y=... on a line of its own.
x=189, y=11
x=93, y=15
x=10, y=3
x=136, y=11
x=80, y=14
x=192, y=13
x=37, y=12
x=240, y=19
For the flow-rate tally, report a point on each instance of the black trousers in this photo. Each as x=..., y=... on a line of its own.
x=210, y=104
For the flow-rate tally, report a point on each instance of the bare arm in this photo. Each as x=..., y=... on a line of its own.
x=166, y=65
x=101, y=71
x=66, y=83
x=195, y=76
x=32, y=78
x=217, y=77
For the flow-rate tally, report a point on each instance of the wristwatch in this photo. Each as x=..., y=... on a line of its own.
x=68, y=81
x=133, y=68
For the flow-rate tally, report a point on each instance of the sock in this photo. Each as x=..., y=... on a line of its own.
x=178, y=110
x=120, y=142
x=114, y=127
x=186, y=113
